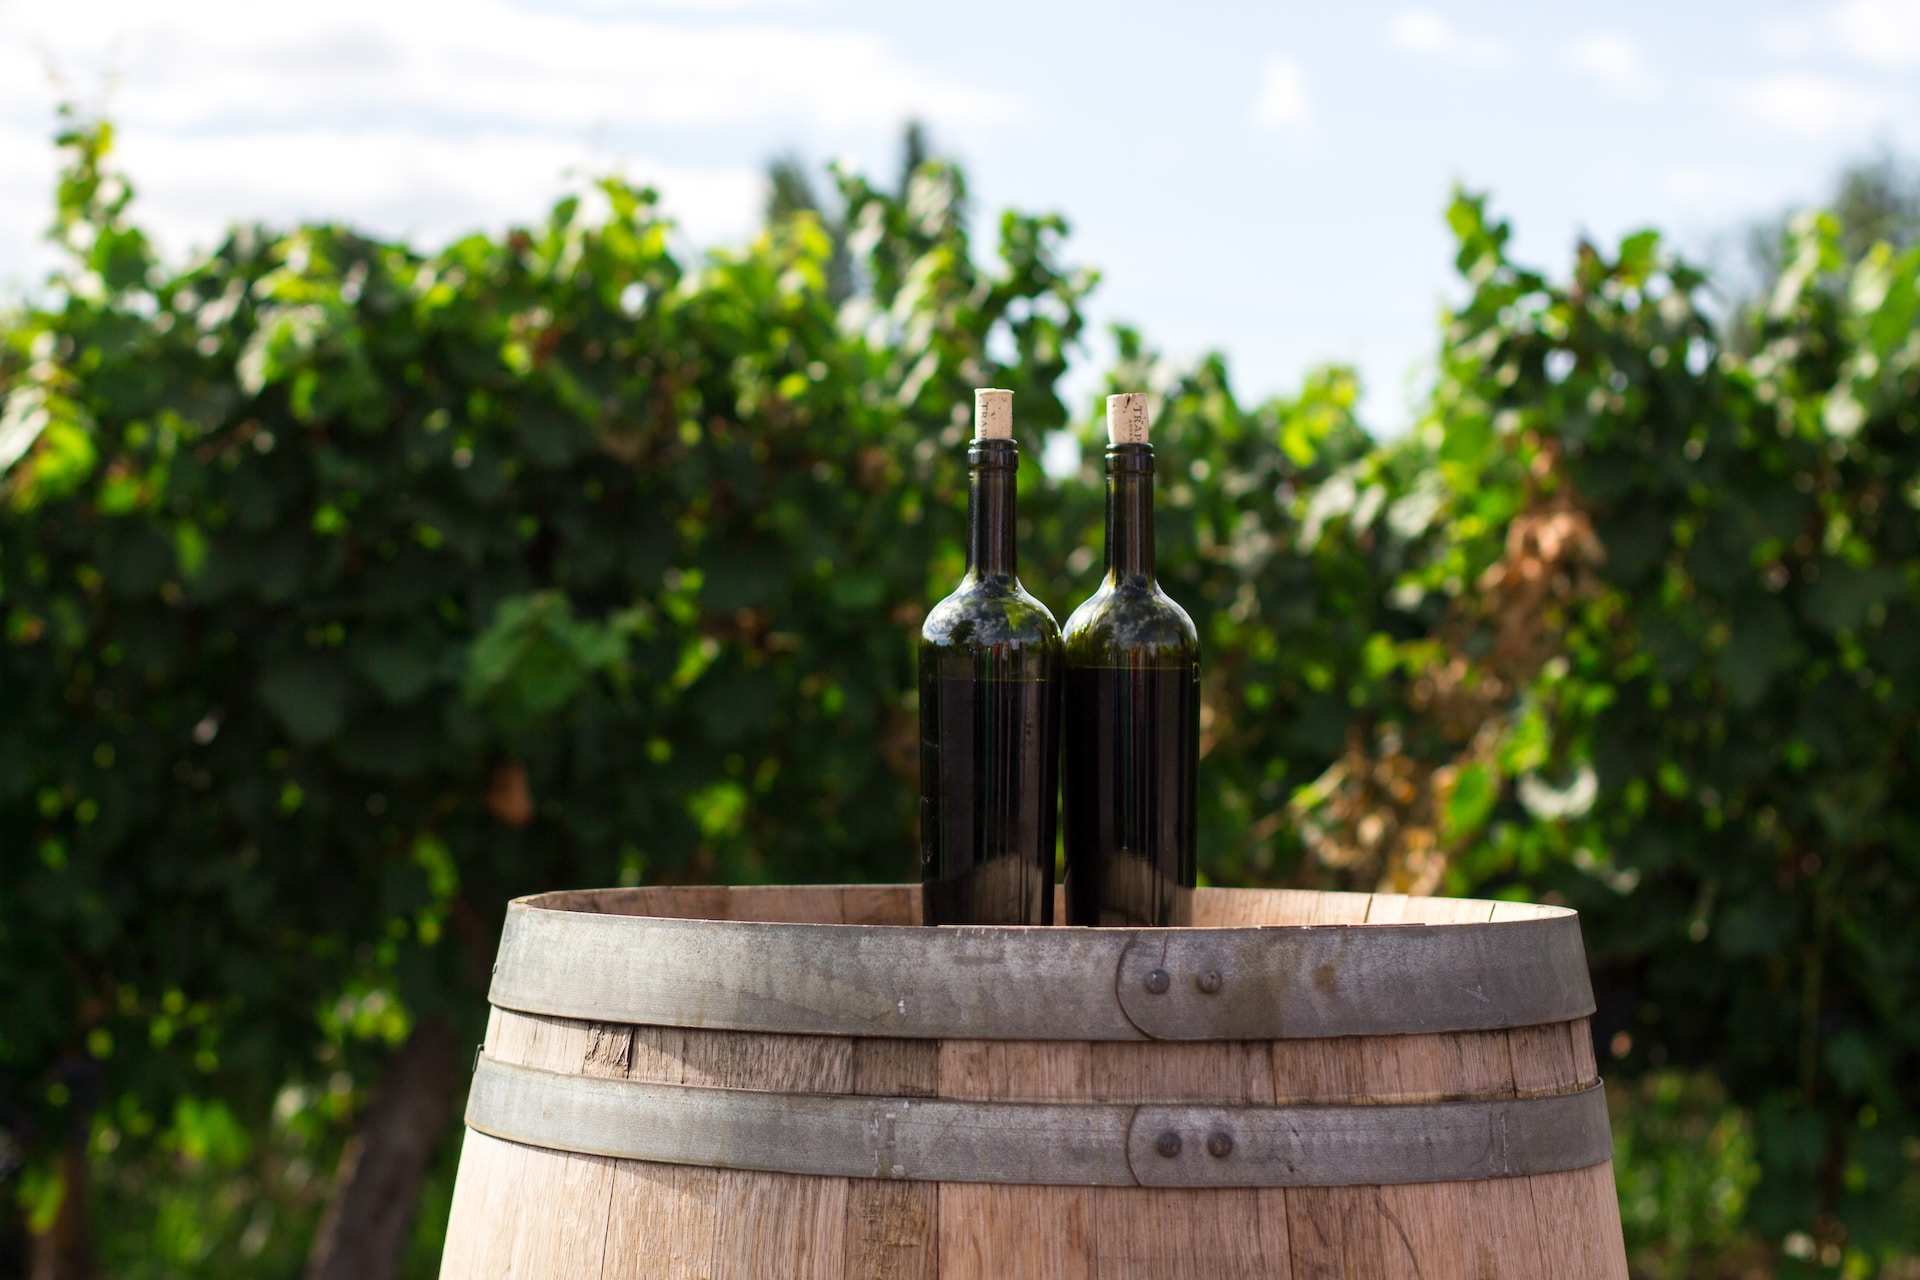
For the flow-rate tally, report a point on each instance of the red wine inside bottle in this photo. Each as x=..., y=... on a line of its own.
x=989, y=714
x=1130, y=722
x=1130, y=780
x=989, y=749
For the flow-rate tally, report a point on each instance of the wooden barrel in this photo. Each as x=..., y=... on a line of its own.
x=791, y=1083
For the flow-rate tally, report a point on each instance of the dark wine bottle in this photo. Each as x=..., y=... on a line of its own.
x=989, y=713
x=1131, y=717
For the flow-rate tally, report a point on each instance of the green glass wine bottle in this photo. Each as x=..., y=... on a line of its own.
x=989, y=713
x=1131, y=716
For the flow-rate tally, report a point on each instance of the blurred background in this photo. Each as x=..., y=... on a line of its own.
x=452, y=452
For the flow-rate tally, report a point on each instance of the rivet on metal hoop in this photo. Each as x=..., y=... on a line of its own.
x=1219, y=1144
x=1167, y=1144
x=1209, y=982
x=1158, y=981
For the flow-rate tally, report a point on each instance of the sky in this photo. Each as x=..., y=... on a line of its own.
x=1265, y=181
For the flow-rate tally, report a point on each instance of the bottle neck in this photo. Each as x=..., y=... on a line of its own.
x=1130, y=513
x=992, y=470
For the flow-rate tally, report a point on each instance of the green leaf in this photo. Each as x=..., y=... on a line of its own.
x=1470, y=803
x=535, y=656
x=718, y=809
x=1842, y=596
x=1761, y=647
x=401, y=664
x=308, y=695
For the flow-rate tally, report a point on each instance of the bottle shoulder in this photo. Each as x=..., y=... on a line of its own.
x=985, y=612
x=1140, y=621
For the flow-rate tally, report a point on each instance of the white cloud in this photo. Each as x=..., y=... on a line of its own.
x=1424, y=31
x=432, y=117
x=399, y=182
x=389, y=182
x=1787, y=37
x=1717, y=190
x=1879, y=33
x=200, y=63
x=1616, y=63
x=26, y=207
x=693, y=6
x=1814, y=106
x=1282, y=102
x=1883, y=33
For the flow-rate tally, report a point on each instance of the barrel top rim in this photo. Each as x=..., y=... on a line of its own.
x=566, y=901
x=796, y=968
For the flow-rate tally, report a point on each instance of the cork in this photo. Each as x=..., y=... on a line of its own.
x=1127, y=418
x=992, y=414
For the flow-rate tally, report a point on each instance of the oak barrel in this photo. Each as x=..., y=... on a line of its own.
x=798, y=1083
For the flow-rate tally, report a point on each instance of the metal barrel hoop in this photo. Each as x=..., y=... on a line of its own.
x=1296, y=982
x=1063, y=1144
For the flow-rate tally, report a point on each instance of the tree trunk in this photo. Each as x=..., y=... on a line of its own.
x=65, y=1251
x=364, y=1233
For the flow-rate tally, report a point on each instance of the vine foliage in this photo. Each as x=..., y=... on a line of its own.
x=350, y=590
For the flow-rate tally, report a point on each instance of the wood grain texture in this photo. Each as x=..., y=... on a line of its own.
x=1016, y=1070
x=1189, y=1234
x=1417, y=1068
x=892, y=1227
x=562, y=1214
x=1578, y=1215
x=1203, y=1071
x=1335, y=1233
x=895, y=1068
x=477, y=1195
x=776, y=1224
x=1459, y=1231
x=661, y=1222
x=780, y=904
x=1254, y=908
x=780, y=1224
x=892, y=1230
x=674, y=902
x=658, y=1054
x=1333, y=1070
x=997, y=1233
x=537, y=1040
x=1398, y=908
x=742, y=1060
x=783, y=1064
x=1184, y=1233
x=986, y=1231
x=1555, y=1058
x=1514, y=910
x=609, y=1051
x=880, y=904
x=1431, y=1068
x=662, y=1219
x=530, y=1212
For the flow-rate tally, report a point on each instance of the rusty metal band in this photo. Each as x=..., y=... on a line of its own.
x=1286, y=982
x=1062, y=1144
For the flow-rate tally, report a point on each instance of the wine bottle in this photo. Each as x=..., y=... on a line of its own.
x=989, y=713
x=1131, y=718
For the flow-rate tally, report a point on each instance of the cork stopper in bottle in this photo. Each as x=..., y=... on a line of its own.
x=1127, y=418
x=992, y=414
